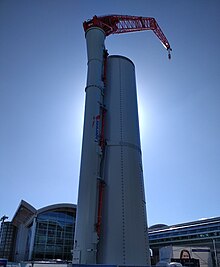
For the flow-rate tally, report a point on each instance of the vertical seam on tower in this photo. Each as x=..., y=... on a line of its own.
x=122, y=170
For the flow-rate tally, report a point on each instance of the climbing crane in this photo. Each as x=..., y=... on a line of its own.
x=116, y=24
x=89, y=240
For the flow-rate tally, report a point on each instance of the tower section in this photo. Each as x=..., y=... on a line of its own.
x=85, y=240
x=124, y=237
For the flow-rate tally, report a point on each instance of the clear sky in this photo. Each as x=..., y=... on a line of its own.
x=43, y=66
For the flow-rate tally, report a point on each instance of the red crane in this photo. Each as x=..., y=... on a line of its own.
x=115, y=24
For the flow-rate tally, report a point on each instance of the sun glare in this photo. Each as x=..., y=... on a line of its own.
x=143, y=117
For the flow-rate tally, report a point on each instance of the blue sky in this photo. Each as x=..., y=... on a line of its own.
x=42, y=80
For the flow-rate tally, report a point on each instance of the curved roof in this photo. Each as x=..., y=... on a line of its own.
x=158, y=226
x=60, y=206
x=25, y=212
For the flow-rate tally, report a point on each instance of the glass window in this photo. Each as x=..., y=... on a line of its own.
x=54, y=235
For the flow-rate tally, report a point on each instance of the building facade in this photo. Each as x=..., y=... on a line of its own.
x=48, y=234
x=44, y=234
x=7, y=237
x=201, y=233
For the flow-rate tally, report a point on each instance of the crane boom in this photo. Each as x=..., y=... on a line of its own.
x=115, y=24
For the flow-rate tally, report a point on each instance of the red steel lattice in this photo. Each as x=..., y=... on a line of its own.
x=115, y=24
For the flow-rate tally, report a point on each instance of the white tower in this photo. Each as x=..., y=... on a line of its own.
x=111, y=224
x=124, y=236
x=86, y=238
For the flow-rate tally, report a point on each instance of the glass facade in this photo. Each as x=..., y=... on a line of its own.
x=54, y=235
x=7, y=237
x=204, y=233
x=198, y=232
